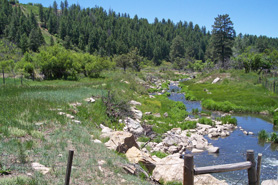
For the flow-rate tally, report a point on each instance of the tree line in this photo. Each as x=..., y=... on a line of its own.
x=130, y=42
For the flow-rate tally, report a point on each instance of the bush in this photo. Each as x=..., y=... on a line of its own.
x=263, y=135
x=228, y=120
x=195, y=111
x=159, y=154
x=273, y=137
x=206, y=121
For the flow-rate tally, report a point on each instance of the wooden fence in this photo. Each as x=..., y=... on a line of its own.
x=249, y=165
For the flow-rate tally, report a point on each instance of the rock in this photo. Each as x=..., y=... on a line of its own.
x=245, y=132
x=250, y=133
x=223, y=134
x=205, y=90
x=157, y=115
x=148, y=113
x=165, y=114
x=173, y=149
x=61, y=113
x=215, y=80
x=172, y=171
x=170, y=168
x=137, y=113
x=76, y=121
x=151, y=96
x=97, y=141
x=195, y=150
x=270, y=182
x=121, y=141
x=133, y=126
x=159, y=147
x=203, y=126
x=90, y=100
x=208, y=180
x=39, y=123
x=213, y=149
x=70, y=116
x=134, y=155
x=60, y=155
x=106, y=131
x=133, y=102
x=265, y=112
x=75, y=104
x=41, y=168
x=134, y=169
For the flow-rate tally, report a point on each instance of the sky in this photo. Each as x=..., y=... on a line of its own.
x=255, y=17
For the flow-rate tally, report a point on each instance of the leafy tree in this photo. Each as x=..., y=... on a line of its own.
x=122, y=61
x=223, y=34
x=135, y=59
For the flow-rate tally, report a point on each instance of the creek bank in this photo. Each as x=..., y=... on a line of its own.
x=174, y=143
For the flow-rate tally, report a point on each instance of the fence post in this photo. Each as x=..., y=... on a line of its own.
x=188, y=170
x=258, y=173
x=70, y=157
x=252, y=170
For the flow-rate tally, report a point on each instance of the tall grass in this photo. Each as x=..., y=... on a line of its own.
x=239, y=93
x=31, y=131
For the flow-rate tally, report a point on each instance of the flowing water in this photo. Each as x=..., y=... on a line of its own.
x=233, y=148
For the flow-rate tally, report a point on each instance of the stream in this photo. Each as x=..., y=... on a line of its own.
x=233, y=148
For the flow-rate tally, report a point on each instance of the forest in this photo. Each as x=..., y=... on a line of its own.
x=125, y=41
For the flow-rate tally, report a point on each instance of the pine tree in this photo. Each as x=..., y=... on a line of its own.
x=24, y=43
x=223, y=34
x=177, y=48
x=51, y=41
x=34, y=40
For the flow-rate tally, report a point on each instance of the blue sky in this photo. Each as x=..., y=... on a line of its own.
x=256, y=17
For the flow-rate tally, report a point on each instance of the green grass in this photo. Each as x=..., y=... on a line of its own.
x=24, y=141
x=161, y=104
x=240, y=93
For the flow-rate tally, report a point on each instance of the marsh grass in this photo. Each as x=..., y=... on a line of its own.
x=239, y=93
x=23, y=140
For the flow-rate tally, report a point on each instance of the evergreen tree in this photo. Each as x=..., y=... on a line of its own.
x=223, y=34
x=24, y=43
x=41, y=13
x=177, y=48
x=51, y=41
x=34, y=40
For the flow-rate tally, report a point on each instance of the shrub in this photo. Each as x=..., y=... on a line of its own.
x=274, y=137
x=206, y=121
x=195, y=111
x=167, y=94
x=165, y=85
x=159, y=154
x=143, y=139
x=188, y=125
x=228, y=120
x=263, y=135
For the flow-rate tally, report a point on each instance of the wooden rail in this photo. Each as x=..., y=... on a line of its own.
x=249, y=165
x=223, y=168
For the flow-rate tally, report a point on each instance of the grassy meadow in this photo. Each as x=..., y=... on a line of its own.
x=237, y=91
x=32, y=131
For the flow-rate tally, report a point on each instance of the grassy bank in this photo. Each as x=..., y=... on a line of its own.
x=32, y=131
x=237, y=91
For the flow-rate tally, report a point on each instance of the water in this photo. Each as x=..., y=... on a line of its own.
x=233, y=148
